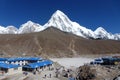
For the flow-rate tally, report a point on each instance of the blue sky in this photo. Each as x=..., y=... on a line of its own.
x=88, y=13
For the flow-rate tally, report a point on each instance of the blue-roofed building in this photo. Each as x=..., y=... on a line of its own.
x=33, y=59
x=10, y=68
x=72, y=78
x=3, y=59
x=42, y=65
x=27, y=63
x=23, y=60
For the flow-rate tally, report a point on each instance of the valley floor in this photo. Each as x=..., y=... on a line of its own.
x=60, y=65
x=72, y=62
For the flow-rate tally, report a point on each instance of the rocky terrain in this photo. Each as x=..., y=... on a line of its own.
x=98, y=72
x=54, y=43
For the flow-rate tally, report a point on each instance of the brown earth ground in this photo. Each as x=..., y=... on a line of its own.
x=54, y=43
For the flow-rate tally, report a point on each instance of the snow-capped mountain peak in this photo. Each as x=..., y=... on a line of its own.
x=2, y=30
x=58, y=20
x=100, y=29
x=103, y=34
x=11, y=30
x=29, y=23
x=58, y=12
x=29, y=27
x=61, y=21
x=8, y=30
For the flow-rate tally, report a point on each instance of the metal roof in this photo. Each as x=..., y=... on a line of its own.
x=48, y=62
x=7, y=66
x=24, y=58
x=3, y=59
x=33, y=58
x=39, y=64
x=2, y=62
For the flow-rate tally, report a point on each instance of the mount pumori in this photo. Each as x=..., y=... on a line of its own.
x=61, y=21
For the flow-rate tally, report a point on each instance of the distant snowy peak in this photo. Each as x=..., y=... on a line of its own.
x=30, y=27
x=103, y=34
x=100, y=29
x=117, y=36
x=8, y=30
x=2, y=29
x=61, y=21
x=27, y=27
x=11, y=30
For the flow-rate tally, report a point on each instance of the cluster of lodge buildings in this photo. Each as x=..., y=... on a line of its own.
x=108, y=60
x=19, y=64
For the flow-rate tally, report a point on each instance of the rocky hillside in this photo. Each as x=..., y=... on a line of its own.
x=54, y=43
x=98, y=72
